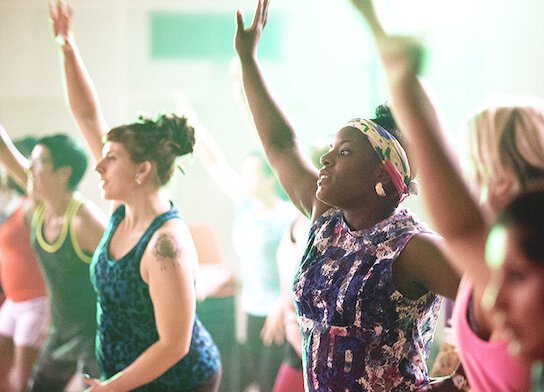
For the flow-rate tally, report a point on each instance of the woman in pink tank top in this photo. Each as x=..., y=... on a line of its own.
x=507, y=151
x=24, y=314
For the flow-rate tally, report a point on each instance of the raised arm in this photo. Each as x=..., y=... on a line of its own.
x=80, y=92
x=211, y=155
x=15, y=163
x=454, y=212
x=296, y=173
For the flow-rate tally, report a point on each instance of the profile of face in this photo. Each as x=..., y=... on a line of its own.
x=117, y=172
x=43, y=178
x=516, y=293
x=348, y=172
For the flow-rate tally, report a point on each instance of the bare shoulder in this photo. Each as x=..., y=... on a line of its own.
x=432, y=263
x=426, y=245
x=424, y=251
x=90, y=218
x=89, y=224
x=173, y=246
x=427, y=259
x=89, y=213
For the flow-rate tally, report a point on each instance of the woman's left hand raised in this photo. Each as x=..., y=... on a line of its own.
x=246, y=40
x=60, y=14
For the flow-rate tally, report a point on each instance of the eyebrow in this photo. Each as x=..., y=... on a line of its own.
x=345, y=141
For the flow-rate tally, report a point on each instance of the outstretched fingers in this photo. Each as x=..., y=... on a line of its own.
x=257, y=15
x=60, y=14
x=261, y=15
x=367, y=10
x=53, y=16
x=265, y=11
x=247, y=40
x=239, y=22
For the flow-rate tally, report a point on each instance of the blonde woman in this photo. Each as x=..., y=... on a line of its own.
x=507, y=151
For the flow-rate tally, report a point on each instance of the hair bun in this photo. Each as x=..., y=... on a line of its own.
x=384, y=117
x=173, y=130
x=384, y=110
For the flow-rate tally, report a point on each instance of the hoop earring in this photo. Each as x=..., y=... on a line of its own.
x=379, y=190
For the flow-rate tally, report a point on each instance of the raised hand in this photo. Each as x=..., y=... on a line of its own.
x=401, y=55
x=60, y=14
x=366, y=8
x=247, y=40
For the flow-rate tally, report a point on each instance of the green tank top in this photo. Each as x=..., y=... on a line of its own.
x=66, y=270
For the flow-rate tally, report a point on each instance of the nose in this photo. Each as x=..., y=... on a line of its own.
x=325, y=159
x=99, y=168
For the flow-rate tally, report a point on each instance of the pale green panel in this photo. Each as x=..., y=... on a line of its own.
x=177, y=35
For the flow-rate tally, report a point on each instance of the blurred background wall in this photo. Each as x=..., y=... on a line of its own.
x=317, y=54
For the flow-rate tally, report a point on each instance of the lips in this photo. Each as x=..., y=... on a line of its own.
x=323, y=178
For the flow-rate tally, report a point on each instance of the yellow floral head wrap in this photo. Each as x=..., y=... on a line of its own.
x=390, y=152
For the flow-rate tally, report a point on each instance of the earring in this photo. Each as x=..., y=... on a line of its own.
x=138, y=180
x=379, y=189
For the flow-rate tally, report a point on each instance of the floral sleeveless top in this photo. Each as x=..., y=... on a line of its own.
x=359, y=332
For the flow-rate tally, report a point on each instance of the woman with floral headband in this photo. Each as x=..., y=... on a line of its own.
x=366, y=289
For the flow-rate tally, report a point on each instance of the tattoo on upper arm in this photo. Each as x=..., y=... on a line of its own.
x=166, y=251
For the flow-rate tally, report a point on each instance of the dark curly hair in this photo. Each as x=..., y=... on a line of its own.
x=161, y=140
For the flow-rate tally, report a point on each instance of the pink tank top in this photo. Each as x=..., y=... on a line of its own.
x=488, y=365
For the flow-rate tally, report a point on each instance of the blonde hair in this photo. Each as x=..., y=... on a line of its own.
x=505, y=144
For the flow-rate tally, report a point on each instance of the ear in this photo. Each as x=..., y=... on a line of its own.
x=144, y=169
x=65, y=172
x=383, y=177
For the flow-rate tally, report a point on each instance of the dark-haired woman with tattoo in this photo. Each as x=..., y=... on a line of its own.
x=149, y=337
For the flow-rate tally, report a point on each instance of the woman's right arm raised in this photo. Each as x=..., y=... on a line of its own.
x=81, y=94
x=296, y=173
x=15, y=163
x=211, y=154
x=453, y=210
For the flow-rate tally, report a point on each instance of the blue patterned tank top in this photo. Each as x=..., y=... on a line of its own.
x=359, y=332
x=126, y=320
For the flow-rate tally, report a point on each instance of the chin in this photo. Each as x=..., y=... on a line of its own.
x=323, y=199
x=107, y=196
